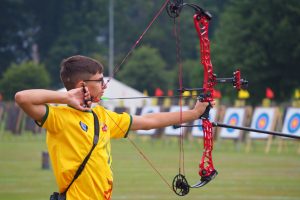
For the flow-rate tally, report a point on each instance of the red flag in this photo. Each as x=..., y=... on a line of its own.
x=269, y=93
x=170, y=93
x=158, y=92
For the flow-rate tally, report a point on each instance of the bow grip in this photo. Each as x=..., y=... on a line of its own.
x=205, y=115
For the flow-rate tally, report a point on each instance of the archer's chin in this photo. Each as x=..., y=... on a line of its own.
x=96, y=100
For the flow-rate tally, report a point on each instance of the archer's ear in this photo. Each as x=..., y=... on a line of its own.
x=80, y=84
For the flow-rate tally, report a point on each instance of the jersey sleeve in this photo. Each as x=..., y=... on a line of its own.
x=51, y=121
x=119, y=123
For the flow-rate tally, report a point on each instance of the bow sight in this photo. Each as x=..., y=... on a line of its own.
x=237, y=82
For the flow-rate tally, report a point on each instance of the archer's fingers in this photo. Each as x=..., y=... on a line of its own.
x=84, y=107
x=87, y=99
x=212, y=103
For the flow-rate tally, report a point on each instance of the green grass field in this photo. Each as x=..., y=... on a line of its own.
x=253, y=175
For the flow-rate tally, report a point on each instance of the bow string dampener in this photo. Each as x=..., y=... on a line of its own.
x=201, y=19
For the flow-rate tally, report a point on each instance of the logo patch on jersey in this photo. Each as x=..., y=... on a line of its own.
x=104, y=128
x=83, y=126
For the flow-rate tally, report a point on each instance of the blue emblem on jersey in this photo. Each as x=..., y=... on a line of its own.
x=83, y=126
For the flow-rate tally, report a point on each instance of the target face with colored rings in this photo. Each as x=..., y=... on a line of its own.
x=233, y=120
x=262, y=121
x=294, y=123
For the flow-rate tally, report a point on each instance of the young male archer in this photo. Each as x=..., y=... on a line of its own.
x=70, y=129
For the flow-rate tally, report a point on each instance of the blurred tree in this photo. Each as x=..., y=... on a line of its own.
x=26, y=75
x=82, y=29
x=145, y=70
x=17, y=33
x=192, y=74
x=262, y=38
x=136, y=15
x=60, y=28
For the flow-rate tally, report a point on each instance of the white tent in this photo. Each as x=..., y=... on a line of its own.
x=116, y=89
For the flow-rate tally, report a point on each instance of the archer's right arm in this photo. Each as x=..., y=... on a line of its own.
x=33, y=101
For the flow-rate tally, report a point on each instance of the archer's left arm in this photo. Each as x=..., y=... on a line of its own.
x=163, y=119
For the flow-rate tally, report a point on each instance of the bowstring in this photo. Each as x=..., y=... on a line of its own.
x=176, y=31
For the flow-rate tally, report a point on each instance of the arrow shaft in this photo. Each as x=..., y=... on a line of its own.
x=215, y=124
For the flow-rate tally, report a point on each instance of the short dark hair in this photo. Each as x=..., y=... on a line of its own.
x=76, y=68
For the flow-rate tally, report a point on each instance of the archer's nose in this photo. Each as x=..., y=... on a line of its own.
x=104, y=86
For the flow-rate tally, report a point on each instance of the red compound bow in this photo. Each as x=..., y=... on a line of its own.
x=207, y=171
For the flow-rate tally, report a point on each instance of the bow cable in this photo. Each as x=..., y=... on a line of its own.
x=142, y=154
x=180, y=81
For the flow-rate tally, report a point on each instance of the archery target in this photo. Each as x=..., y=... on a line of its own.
x=234, y=117
x=170, y=130
x=197, y=130
x=263, y=119
x=233, y=120
x=146, y=110
x=291, y=124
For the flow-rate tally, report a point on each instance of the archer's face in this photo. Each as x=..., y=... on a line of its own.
x=96, y=86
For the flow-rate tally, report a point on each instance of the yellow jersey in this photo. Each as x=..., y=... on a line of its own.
x=70, y=134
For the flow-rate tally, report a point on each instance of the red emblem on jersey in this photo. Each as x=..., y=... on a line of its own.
x=104, y=128
x=107, y=194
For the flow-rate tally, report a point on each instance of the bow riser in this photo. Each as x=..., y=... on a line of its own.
x=206, y=167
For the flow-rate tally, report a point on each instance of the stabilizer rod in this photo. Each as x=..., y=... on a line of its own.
x=215, y=124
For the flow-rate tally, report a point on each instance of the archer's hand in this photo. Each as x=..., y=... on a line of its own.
x=200, y=107
x=80, y=98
